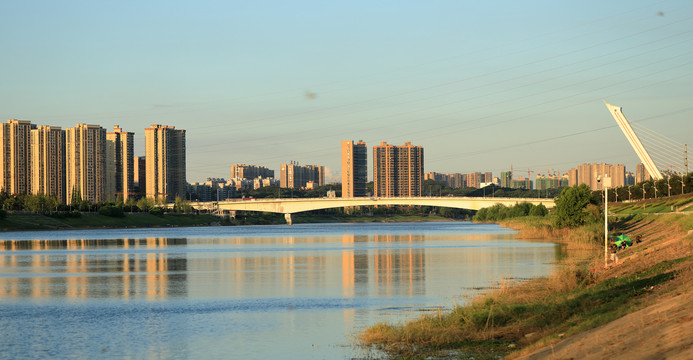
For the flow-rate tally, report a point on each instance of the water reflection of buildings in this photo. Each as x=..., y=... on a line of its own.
x=395, y=271
x=92, y=268
x=366, y=266
x=349, y=266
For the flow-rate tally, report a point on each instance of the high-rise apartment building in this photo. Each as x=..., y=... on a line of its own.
x=15, y=163
x=354, y=168
x=572, y=177
x=550, y=181
x=505, y=178
x=398, y=170
x=584, y=175
x=437, y=177
x=475, y=179
x=120, y=164
x=618, y=175
x=243, y=171
x=165, y=154
x=48, y=161
x=85, y=162
x=140, y=174
x=588, y=173
x=292, y=175
x=641, y=173
x=454, y=181
x=521, y=183
x=630, y=178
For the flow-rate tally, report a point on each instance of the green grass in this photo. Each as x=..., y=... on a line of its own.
x=574, y=304
x=684, y=222
x=661, y=205
x=25, y=221
x=93, y=220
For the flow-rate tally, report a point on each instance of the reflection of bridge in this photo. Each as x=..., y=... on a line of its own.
x=291, y=206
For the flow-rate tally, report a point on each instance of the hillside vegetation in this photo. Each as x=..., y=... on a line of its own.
x=581, y=297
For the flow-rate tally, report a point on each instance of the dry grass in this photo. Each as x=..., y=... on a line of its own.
x=589, y=237
x=571, y=300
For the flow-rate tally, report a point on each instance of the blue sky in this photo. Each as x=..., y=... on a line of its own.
x=480, y=85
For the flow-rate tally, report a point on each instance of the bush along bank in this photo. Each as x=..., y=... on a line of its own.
x=517, y=319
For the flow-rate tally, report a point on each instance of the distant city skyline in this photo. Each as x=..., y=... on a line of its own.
x=481, y=86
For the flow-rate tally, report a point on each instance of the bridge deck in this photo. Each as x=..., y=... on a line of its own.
x=291, y=206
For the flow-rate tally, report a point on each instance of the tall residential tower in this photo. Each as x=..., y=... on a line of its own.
x=121, y=167
x=48, y=162
x=165, y=154
x=397, y=170
x=295, y=176
x=354, y=168
x=15, y=163
x=85, y=162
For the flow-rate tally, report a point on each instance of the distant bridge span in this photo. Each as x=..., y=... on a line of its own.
x=291, y=206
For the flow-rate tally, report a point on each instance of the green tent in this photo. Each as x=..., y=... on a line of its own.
x=623, y=241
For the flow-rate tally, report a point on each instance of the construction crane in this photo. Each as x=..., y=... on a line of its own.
x=529, y=172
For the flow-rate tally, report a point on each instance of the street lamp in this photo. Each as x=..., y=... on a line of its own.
x=643, y=191
x=606, y=184
x=669, y=186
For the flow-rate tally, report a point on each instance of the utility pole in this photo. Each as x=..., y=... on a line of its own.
x=643, y=190
x=669, y=186
x=607, y=183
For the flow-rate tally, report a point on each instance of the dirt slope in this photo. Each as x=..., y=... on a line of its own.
x=660, y=331
x=663, y=329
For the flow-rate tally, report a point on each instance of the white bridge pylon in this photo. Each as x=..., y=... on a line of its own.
x=634, y=141
x=292, y=206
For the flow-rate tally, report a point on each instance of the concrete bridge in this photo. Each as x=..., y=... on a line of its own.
x=291, y=206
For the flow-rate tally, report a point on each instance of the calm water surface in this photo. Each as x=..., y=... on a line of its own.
x=286, y=292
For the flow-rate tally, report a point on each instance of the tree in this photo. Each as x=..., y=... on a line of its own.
x=538, y=210
x=521, y=209
x=181, y=205
x=130, y=204
x=112, y=211
x=76, y=199
x=144, y=204
x=570, y=206
x=481, y=215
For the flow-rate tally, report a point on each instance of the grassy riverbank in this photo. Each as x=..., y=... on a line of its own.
x=25, y=221
x=300, y=218
x=29, y=221
x=516, y=319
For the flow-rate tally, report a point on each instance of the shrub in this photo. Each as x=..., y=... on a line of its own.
x=539, y=210
x=112, y=211
x=156, y=211
x=3, y=214
x=570, y=205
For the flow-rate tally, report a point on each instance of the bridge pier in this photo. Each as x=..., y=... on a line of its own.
x=288, y=219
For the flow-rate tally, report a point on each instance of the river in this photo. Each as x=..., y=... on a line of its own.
x=245, y=292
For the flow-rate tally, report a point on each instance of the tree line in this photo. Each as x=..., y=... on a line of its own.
x=670, y=185
x=52, y=206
